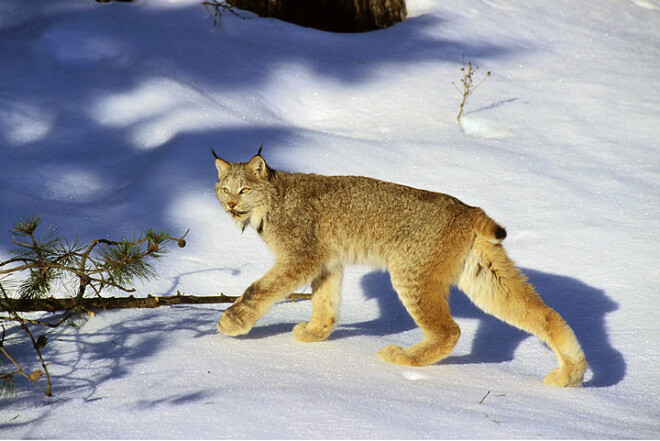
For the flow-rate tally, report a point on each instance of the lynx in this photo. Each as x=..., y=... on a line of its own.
x=427, y=241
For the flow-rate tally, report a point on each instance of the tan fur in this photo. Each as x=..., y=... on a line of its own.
x=428, y=241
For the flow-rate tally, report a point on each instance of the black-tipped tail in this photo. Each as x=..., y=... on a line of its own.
x=487, y=227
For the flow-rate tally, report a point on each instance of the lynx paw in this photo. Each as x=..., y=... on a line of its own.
x=305, y=333
x=557, y=377
x=235, y=322
x=569, y=375
x=397, y=355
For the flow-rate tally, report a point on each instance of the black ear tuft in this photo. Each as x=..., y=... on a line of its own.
x=260, y=149
x=214, y=154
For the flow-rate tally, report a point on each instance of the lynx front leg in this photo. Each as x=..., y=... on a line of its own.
x=239, y=318
x=326, y=297
x=279, y=281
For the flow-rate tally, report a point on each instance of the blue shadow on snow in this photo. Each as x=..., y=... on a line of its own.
x=583, y=307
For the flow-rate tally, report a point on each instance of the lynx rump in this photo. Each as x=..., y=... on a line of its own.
x=427, y=241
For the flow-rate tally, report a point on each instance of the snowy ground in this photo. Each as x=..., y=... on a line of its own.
x=107, y=114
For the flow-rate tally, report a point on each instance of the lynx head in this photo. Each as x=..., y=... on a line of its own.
x=244, y=188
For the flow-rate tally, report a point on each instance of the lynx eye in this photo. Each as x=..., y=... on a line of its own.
x=245, y=190
x=225, y=190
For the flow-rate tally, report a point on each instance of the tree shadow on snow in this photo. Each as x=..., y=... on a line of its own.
x=117, y=185
x=101, y=349
x=583, y=307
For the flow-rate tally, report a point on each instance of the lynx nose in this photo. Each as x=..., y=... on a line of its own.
x=231, y=205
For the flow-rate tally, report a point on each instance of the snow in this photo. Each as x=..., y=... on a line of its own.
x=107, y=116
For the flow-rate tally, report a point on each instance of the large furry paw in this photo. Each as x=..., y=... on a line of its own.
x=235, y=321
x=397, y=355
x=303, y=332
x=567, y=376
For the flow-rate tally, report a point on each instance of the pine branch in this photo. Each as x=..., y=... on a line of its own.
x=68, y=304
x=37, y=345
x=48, y=259
x=34, y=376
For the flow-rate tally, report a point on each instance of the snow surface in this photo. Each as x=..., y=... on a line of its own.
x=107, y=114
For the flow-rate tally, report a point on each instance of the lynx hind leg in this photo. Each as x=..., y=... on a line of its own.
x=326, y=298
x=426, y=300
x=492, y=282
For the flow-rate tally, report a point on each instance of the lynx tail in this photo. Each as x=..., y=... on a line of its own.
x=487, y=227
x=495, y=285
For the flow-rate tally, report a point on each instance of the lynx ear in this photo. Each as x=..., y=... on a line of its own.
x=220, y=164
x=258, y=166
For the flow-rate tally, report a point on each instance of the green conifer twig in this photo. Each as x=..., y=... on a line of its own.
x=49, y=259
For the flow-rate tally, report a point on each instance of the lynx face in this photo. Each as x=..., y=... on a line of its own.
x=241, y=189
x=236, y=197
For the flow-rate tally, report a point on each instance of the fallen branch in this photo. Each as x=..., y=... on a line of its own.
x=53, y=304
x=86, y=271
